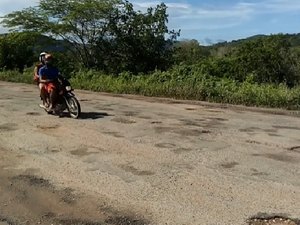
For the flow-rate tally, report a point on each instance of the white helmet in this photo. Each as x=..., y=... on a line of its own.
x=42, y=56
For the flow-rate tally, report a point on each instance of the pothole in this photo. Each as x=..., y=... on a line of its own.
x=33, y=181
x=47, y=127
x=190, y=109
x=272, y=220
x=165, y=145
x=33, y=114
x=295, y=148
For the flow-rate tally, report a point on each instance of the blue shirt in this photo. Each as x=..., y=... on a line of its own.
x=48, y=72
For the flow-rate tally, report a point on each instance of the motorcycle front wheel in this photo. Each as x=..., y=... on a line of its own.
x=73, y=107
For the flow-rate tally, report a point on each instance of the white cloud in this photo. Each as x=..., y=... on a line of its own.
x=281, y=6
x=198, y=17
x=219, y=20
x=195, y=17
x=214, y=17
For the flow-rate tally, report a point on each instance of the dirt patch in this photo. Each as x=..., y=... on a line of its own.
x=182, y=150
x=229, y=165
x=130, y=113
x=191, y=132
x=28, y=199
x=68, y=196
x=55, y=150
x=249, y=129
x=83, y=151
x=182, y=132
x=85, y=100
x=186, y=122
x=103, y=108
x=191, y=109
x=255, y=172
x=165, y=145
x=156, y=122
x=201, y=120
x=6, y=98
x=274, y=135
x=7, y=221
x=287, y=127
x=259, y=174
x=161, y=130
x=125, y=220
x=145, y=117
x=48, y=127
x=6, y=127
x=123, y=120
x=270, y=130
x=32, y=180
x=279, y=157
x=221, y=119
x=79, y=222
x=136, y=171
x=253, y=142
x=214, y=111
x=114, y=134
x=213, y=121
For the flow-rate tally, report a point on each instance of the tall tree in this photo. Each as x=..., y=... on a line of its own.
x=17, y=50
x=101, y=31
x=78, y=22
x=269, y=59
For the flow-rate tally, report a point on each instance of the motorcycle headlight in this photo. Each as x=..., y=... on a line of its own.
x=68, y=88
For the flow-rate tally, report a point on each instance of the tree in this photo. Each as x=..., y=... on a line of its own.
x=189, y=52
x=102, y=32
x=137, y=40
x=78, y=22
x=269, y=59
x=17, y=50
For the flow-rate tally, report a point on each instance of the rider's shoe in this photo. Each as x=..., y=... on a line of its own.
x=43, y=106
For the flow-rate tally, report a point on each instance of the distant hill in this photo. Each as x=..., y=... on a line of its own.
x=48, y=44
x=45, y=43
x=293, y=38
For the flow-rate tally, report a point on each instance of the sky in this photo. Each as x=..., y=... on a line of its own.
x=212, y=21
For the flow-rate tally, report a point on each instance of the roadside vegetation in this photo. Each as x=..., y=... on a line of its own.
x=106, y=45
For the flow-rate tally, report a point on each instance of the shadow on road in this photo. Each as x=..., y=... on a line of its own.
x=93, y=115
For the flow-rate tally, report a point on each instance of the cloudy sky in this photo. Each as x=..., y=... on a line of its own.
x=211, y=21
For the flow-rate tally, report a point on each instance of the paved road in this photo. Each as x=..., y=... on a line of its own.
x=136, y=160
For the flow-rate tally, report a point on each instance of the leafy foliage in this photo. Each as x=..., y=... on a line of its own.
x=269, y=59
x=104, y=34
x=16, y=50
x=189, y=52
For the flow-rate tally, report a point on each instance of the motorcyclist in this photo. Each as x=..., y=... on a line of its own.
x=38, y=66
x=36, y=77
x=48, y=75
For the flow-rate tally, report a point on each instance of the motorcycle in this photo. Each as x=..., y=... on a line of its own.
x=66, y=100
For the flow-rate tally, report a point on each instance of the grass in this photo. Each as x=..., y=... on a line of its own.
x=180, y=84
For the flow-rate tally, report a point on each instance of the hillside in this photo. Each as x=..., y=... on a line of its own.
x=293, y=38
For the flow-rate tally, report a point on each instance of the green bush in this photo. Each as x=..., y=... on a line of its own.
x=184, y=83
x=16, y=76
x=181, y=82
